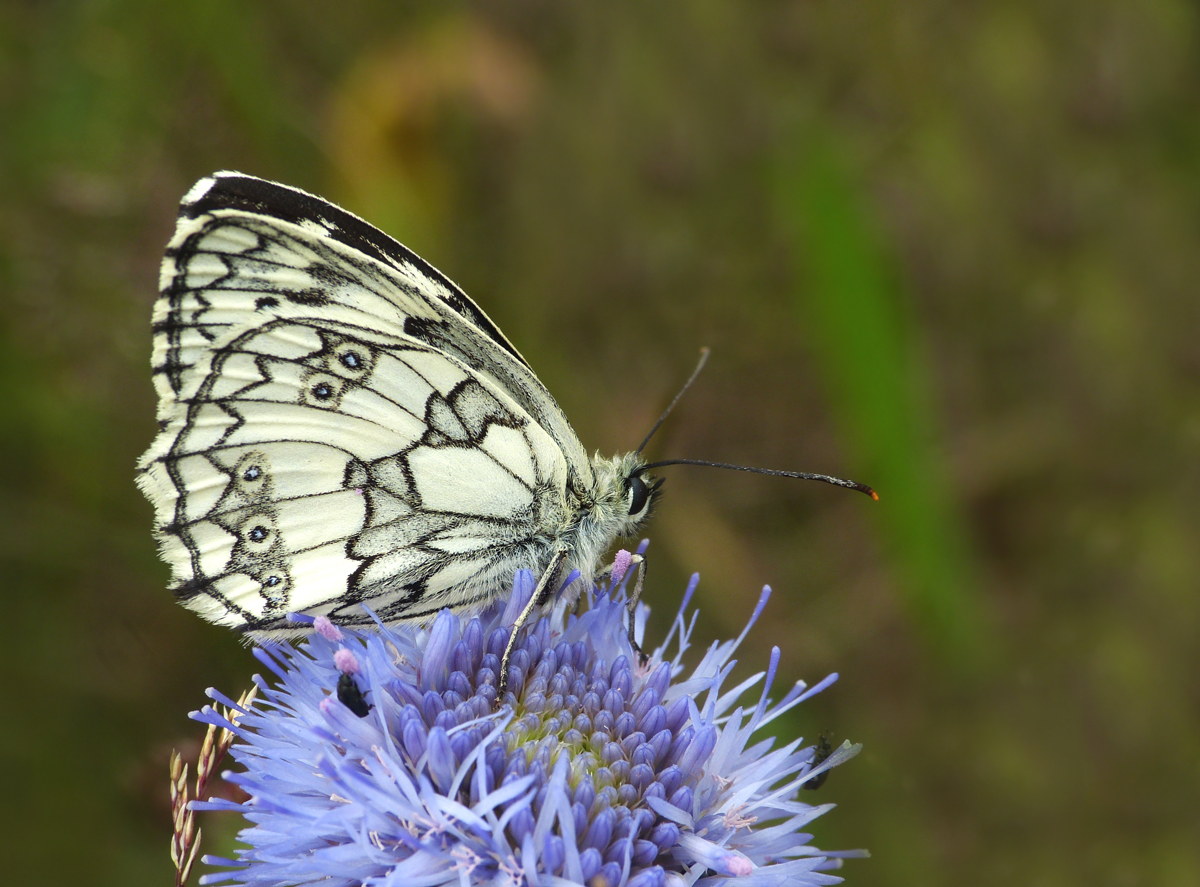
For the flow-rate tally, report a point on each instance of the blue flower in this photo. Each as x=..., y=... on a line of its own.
x=379, y=757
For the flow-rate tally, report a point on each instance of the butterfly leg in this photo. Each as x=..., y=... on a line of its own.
x=539, y=596
x=631, y=606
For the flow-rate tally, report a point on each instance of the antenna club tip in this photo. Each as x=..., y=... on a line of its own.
x=872, y=494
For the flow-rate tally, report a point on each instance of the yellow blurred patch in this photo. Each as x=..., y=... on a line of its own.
x=401, y=116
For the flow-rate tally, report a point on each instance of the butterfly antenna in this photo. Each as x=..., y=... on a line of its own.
x=686, y=385
x=802, y=475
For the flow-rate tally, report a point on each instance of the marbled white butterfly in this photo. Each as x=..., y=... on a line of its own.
x=341, y=425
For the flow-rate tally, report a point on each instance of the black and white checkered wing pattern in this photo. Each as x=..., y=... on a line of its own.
x=246, y=251
x=340, y=423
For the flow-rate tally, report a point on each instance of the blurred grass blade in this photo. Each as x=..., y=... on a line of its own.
x=852, y=314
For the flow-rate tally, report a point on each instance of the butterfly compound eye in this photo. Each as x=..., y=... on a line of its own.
x=639, y=494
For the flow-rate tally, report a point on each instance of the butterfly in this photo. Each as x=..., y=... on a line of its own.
x=341, y=425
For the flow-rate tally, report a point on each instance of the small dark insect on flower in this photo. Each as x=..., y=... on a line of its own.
x=824, y=750
x=348, y=693
x=350, y=696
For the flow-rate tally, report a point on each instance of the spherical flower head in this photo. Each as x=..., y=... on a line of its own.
x=380, y=757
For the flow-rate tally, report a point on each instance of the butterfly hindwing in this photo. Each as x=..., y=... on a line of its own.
x=317, y=466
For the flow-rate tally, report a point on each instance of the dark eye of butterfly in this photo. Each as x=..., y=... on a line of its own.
x=641, y=493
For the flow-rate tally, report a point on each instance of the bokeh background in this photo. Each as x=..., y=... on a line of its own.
x=949, y=249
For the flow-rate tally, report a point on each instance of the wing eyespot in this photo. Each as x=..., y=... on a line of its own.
x=351, y=361
x=252, y=474
x=257, y=534
x=275, y=588
x=322, y=390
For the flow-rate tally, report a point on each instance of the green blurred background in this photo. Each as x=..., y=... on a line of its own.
x=949, y=249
